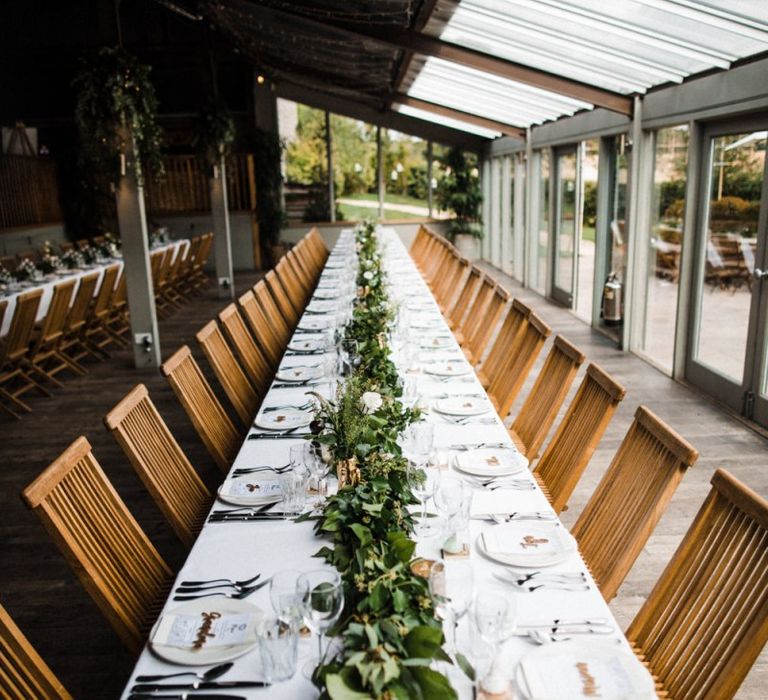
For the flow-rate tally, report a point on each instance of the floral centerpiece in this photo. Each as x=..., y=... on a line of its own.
x=26, y=270
x=6, y=278
x=48, y=262
x=109, y=249
x=72, y=259
x=388, y=630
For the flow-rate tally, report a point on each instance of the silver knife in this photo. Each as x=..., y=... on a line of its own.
x=197, y=685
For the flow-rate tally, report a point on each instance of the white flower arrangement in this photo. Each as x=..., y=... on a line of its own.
x=72, y=259
x=6, y=277
x=25, y=270
x=49, y=263
x=371, y=401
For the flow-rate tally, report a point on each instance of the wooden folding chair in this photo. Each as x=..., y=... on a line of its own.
x=160, y=463
x=45, y=357
x=456, y=315
x=252, y=359
x=113, y=558
x=262, y=330
x=516, y=317
x=291, y=285
x=706, y=620
x=513, y=371
x=214, y=427
x=300, y=274
x=184, y=285
x=451, y=282
x=478, y=336
x=317, y=246
x=117, y=322
x=23, y=673
x=540, y=408
x=309, y=264
x=15, y=380
x=475, y=315
x=434, y=267
x=97, y=335
x=235, y=383
x=420, y=241
x=576, y=438
x=276, y=289
x=3, y=309
x=271, y=311
x=631, y=498
x=74, y=344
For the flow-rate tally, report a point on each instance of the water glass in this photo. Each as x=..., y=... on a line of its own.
x=423, y=484
x=451, y=586
x=293, y=484
x=420, y=442
x=286, y=602
x=278, y=643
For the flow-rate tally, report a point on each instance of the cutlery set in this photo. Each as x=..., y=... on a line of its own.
x=238, y=592
x=288, y=434
x=468, y=420
x=501, y=482
x=545, y=581
x=521, y=515
x=263, y=468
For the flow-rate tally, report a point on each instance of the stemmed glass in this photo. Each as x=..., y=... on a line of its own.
x=493, y=614
x=423, y=484
x=318, y=469
x=322, y=598
x=420, y=442
x=285, y=598
x=451, y=586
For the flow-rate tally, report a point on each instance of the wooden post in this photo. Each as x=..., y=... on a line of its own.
x=258, y=263
x=429, y=178
x=132, y=222
x=221, y=234
x=329, y=157
x=380, y=173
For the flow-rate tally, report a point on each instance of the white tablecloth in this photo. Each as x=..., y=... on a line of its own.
x=239, y=550
x=48, y=285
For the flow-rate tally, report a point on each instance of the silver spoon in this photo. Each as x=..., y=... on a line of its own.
x=209, y=675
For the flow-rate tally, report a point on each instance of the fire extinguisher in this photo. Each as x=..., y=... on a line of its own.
x=611, y=305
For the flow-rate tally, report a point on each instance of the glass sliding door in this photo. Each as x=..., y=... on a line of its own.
x=727, y=342
x=541, y=211
x=587, y=220
x=566, y=217
x=665, y=239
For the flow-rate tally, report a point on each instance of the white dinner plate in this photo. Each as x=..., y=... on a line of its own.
x=257, y=489
x=437, y=342
x=420, y=306
x=313, y=324
x=299, y=373
x=327, y=293
x=583, y=668
x=188, y=656
x=426, y=322
x=307, y=344
x=462, y=406
x=448, y=369
x=282, y=420
x=321, y=306
x=490, y=462
x=527, y=544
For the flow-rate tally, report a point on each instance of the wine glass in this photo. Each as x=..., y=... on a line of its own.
x=322, y=598
x=318, y=469
x=493, y=616
x=451, y=586
x=420, y=442
x=423, y=484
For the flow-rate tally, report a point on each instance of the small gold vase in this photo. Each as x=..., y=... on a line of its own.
x=347, y=472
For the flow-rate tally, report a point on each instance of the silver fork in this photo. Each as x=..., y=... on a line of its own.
x=239, y=595
x=251, y=470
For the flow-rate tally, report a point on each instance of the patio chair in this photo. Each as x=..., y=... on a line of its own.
x=115, y=561
x=160, y=463
x=251, y=358
x=211, y=422
x=261, y=328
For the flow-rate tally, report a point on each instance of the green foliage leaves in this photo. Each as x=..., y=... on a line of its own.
x=459, y=191
x=215, y=133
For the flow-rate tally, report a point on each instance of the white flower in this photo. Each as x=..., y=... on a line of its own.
x=368, y=275
x=372, y=401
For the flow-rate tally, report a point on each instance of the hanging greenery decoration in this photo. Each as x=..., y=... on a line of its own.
x=215, y=134
x=116, y=100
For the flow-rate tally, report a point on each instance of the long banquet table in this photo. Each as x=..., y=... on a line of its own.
x=51, y=281
x=237, y=550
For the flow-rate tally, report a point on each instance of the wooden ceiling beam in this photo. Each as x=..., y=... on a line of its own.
x=506, y=129
x=416, y=42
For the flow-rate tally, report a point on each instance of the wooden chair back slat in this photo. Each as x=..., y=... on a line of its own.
x=109, y=552
x=515, y=318
x=578, y=435
x=160, y=462
x=317, y=245
x=419, y=242
x=78, y=313
x=476, y=312
x=310, y=264
x=466, y=295
x=299, y=273
x=3, y=309
x=631, y=498
x=706, y=620
x=101, y=303
x=235, y=383
x=523, y=351
x=252, y=359
x=450, y=282
x=291, y=285
x=56, y=317
x=261, y=328
x=22, y=324
x=214, y=427
x=23, y=673
x=276, y=289
x=272, y=312
x=479, y=337
x=542, y=404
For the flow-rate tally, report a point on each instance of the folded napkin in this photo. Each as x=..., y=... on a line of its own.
x=206, y=629
x=489, y=462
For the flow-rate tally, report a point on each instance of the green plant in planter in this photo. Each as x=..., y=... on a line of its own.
x=215, y=134
x=267, y=151
x=458, y=191
x=116, y=100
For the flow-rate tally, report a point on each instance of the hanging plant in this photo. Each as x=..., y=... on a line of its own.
x=215, y=134
x=115, y=98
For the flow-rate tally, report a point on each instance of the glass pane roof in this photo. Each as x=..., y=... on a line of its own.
x=445, y=121
x=624, y=46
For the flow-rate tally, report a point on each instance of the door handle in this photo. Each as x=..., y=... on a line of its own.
x=760, y=274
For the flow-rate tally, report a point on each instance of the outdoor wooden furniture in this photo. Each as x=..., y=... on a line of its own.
x=475, y=315
x=160, y=463
x=271, y=311
x=252, y=359
x=293, y=289
x=540, y=408
x=115, y=562
x=45, y=356
x=631, y=498
x=478, y=336
x=211, y=422
x=233, y=380
x=97, y=335
x=15, y=380
x=23, y=673
x=574, y=442
x=456, y=315
x=73, y=343
x=276, y=289
x=451, y=282
x=516, y=317
x=706, y=620
x=523, y=351
x=3, y=309
x=261, y=329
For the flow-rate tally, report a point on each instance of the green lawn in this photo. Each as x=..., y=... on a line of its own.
x=351, y=213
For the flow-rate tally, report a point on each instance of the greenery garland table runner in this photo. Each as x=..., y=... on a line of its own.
x=237, y=550
x=48, y=285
